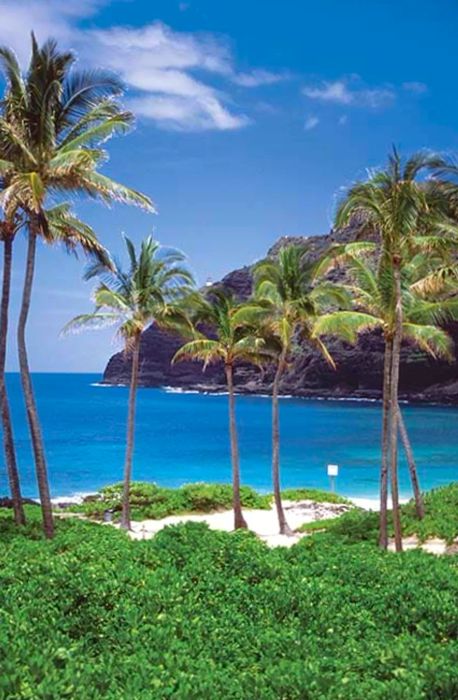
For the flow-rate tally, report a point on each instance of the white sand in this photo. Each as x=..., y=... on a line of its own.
x=263, y=522
x=372, y=503
x=433, y=546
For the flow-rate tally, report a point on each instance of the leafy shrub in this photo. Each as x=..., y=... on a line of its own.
x=208, y=497
x=441, y=519
x=317, y=495
x=196, y=614
x=148, y=500
x=441, y=514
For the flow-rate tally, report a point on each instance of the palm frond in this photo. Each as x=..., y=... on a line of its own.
x=323, y=350
x=328, y=294
x=99, y=133
x=203, y=349
x=93, y=321
x=339, y=254
x=346, y=325
x=434, y=312
x=431, y=339
x=110, y=190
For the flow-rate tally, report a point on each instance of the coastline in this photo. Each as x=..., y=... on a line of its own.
x=362, y=396
x=86, y=438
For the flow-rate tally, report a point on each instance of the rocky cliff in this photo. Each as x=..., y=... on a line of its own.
x=358, y=373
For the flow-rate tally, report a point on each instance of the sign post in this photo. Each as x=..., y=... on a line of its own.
x=333, y=471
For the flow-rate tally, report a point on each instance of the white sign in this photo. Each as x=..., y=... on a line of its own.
x=333, y=469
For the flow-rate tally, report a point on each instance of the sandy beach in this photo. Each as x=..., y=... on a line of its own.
x=263, y=522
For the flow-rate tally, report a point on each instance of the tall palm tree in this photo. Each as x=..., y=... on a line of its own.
x=52, y=124
x=369, y=282
x=149, y=291
x=63, y=227
x=229, y=340
x=8, y=230
x=288, y=301
x=402, y=207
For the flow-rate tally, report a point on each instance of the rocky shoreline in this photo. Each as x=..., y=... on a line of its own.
x=359, y=369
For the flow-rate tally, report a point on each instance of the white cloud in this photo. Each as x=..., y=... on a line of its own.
x=330, y=92
x=161, y=65
x=51, y=18
x=258, y=77
x=311, y=122
x=157, y=46
x=171, y=75
x=416, y=87
x=184, y=114
x=349, y=91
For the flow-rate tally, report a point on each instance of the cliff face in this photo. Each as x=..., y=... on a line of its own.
x=358, y=373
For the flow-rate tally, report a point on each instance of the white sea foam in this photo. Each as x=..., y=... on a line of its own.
x=178, y=390
x=103, y=385
x=75, y=498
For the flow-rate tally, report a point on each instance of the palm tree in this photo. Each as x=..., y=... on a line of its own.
x=288, y=301
x=8, y=230
x=369, y=282
x=64, y=228
x=401, y=207
x=150, y=291
x=52, y=124
x=229, y=340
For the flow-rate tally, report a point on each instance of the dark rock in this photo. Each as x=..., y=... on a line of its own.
x=7, y=502
x=359, y=368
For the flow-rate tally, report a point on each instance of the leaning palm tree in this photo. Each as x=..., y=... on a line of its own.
x=288, y=301
x=52, y=124
x=229, y=340
x=401, y=207
x=369, y=282
x=148, y=292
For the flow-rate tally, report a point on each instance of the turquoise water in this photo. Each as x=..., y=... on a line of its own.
x=183, y=437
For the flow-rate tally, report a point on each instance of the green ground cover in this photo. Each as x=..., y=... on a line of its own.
x=148, y=500
x=199, y=614
x=441, y=519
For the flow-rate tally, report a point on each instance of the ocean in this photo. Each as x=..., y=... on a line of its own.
x=183, y=437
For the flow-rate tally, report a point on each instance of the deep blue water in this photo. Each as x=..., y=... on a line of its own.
x=183, y=437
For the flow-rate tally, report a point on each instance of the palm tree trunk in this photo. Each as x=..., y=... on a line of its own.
x=383, y=533
x=394, y=406
x=239, y=520
x=284, y=527
x=419, y=505
x=8, y=439
x=125, y=515
x=29, y=398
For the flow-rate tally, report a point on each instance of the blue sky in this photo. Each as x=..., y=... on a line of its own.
x=251, y=117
